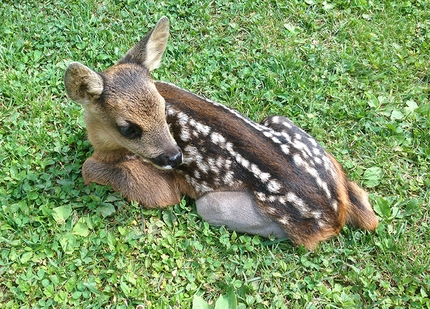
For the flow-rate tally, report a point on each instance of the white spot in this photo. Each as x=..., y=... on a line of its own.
x=245, y=163
x=298, y=159
x=202, y=128
x=212, y=165
x=324, y=186
x=285, y=149
x=276, y=119
x=220, y=162
x=171, y=111
x=316, y=151
x=268, y=134
x=229, y=178
x=298, y=203
x=261, y=196
x=302, y=146
x=255, y=170
x=276, y=140
x=276, y=133
x=185, y=134
x=229, y=148
x=198, y=158
x=203, y=167
x=335, y=205
x=273, y=186
x=264, y=177
x=287, y=124
x=284, y=220
x=328, y=165
x=190, y=154
x=317, y=215
x=313, y=142
x=287, y=137
x=214, y=169
x=197, y=174
x=293, y=198
x=182, y=119
x=313, y=172
x=217, y=138
x=241, y=160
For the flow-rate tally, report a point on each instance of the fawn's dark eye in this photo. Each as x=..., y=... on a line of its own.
x=130, y=131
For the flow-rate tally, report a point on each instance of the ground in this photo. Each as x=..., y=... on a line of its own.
x=354, y=74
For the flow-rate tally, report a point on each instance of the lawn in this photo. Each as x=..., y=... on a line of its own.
x=355, y=74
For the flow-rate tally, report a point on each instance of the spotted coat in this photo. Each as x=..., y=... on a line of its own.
x=155, y=142
x=291, y=176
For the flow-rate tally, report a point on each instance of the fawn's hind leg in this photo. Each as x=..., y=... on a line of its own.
x=239, y=212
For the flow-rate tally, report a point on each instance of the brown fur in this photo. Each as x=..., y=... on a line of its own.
x=136, y=179
x=281, y=173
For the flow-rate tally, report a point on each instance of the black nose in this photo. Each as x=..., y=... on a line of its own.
x=176, y=160
x=166, y=161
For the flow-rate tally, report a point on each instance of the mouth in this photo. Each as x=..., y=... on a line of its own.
x=162, y=168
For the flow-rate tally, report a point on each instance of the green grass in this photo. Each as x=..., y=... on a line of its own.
x=355, y=74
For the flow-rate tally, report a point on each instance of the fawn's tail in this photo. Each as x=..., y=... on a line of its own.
x=360, y=213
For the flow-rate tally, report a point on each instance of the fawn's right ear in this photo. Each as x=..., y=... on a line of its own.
x=83, y=85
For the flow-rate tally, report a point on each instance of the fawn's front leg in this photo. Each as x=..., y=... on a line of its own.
x=135, y=179
x=239, y=212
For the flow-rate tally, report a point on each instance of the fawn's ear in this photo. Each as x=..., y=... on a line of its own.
x=83, y=85
x=150, y=49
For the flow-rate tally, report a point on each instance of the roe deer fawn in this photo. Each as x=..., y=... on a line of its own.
x=155, y=142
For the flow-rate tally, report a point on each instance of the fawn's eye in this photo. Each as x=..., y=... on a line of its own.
x=130, y=131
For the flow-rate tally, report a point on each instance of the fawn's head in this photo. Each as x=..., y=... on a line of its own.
x=123, y=109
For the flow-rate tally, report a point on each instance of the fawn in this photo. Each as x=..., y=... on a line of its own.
x=155, y=143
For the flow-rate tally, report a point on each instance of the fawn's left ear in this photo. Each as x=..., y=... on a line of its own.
x=83, y=85
x=149, y=51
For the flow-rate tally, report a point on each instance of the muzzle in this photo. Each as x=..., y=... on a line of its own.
x=168, y=160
